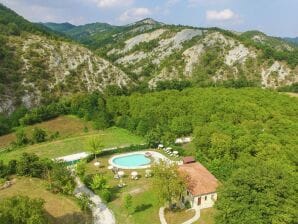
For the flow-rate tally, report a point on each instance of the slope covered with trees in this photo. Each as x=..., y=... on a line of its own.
x=38, y=66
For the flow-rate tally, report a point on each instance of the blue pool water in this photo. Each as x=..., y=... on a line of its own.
x=133, y=160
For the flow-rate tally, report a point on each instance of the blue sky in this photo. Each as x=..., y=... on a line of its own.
x=274, y=17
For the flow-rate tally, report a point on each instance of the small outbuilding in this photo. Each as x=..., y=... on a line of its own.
x=188, y=159
x=201, y=184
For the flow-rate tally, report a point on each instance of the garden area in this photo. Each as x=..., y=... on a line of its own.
x=137, y=201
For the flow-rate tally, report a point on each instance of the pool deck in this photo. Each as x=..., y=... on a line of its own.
x=154, y=155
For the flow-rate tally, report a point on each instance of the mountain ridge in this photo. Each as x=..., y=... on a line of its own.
x=134, y=48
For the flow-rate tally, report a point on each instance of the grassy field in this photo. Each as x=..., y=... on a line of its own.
x=145, y=201
x=207, y=216
x=111, y=137
x=293, y=94
x=59, y=209
x=67, y=126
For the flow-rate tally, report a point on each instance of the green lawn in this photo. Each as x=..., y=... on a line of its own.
x=67, y=126
x=59, y=209
x=180, y=216
x=111, y=137
x=207, y=216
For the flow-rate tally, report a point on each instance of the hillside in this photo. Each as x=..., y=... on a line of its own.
x=38, y=66
x=292, y=40
x=149, y=52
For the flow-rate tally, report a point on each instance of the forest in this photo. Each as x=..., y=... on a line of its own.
x=246, y=137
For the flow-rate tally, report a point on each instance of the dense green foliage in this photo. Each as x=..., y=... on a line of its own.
x=292, y=40
x=22, y=210
x=87, y=106
x=59, y=27
x=260, y=191
x=292, y=88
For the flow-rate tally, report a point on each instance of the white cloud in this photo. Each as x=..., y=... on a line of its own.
x=113, y=3
x=223, y=15
x=134, y=14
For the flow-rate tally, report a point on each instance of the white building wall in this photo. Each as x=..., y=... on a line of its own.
x=207, y=201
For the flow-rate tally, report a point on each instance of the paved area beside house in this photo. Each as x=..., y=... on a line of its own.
x=101, y=213
x=190, y=221
x=162, y=215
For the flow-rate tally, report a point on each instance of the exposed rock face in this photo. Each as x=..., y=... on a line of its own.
x=238, y=54
x=179, y=52
x=276, y=75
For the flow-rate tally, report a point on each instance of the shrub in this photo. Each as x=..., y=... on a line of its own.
x=106, y=195
x=39, y=135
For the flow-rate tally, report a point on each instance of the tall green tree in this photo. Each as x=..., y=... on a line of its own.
x=95, y=145
x=168, y=183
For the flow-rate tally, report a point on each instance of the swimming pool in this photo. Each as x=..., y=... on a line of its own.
x=131, y=161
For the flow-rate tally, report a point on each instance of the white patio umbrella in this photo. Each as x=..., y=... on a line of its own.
x=121, y=173
x=160, y=146
x=110, y=167
x=97, y=164
x=134, y=173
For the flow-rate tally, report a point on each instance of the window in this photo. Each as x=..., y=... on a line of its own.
x=206, y=198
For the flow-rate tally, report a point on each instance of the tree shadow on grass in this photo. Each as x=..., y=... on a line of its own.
x=115, y=192
x=70, y=218
x=142, y=207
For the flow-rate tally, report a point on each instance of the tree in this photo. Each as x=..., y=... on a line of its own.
x=30, y=165
x=22, y=210
x=39, y=135
x=95, y=146
x=128, y=202
x=259, y=192
x=60, y=179
x=168, y=182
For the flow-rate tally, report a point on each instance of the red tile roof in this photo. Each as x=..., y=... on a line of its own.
x=188, y=159
x=199, y=179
